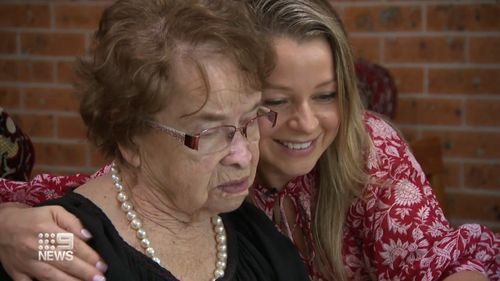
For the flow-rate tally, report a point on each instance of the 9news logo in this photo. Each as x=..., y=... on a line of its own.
x=55, y=246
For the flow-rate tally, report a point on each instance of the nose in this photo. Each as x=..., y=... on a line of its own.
x=304, y=119
x=239, y=152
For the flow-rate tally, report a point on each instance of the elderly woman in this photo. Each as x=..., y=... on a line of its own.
x=338, y=181
x=179, y=81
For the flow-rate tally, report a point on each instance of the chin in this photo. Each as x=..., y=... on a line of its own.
x=299, y=169
x=229, y=204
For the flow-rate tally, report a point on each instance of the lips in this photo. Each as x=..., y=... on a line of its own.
x=235, y=186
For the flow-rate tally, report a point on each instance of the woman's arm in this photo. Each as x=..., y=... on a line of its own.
x=19, y=245
x=21, y=226
x=466, y=276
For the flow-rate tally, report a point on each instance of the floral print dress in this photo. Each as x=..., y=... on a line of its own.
x=394, y=231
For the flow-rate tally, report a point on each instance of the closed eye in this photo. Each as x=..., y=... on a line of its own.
x=327, y=97
x=273, y=102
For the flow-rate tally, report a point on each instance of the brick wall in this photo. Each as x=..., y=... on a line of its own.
x=445, y=58
x=444, y=55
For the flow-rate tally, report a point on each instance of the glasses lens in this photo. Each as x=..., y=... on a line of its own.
x=219, y=138
x=215, y=139
x=253, y=133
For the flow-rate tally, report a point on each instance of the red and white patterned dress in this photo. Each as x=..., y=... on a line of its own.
x=392, y=232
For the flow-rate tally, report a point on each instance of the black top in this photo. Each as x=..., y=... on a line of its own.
x=256, y=250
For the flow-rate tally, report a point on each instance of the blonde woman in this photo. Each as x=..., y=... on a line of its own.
x=338, y=181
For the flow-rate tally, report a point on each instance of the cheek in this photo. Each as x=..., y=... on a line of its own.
x=254, y=150
x=331, y=120
x=267, y=133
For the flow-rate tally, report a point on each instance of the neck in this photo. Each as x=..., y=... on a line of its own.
x=180, y=268
x=271, y=179
x=156, y=210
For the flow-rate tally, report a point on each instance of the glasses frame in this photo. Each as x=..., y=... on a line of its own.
x=192, y=141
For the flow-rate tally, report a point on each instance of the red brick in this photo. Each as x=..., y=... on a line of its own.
x=483, y=113
x=480, y=17
x=478, y=207
x=464, y=81
x=366, y=48
x=26, y=71
x=481, y=145
x=409, y=134
x=71, y=128
x=7, y=42
x=66, y=72
x=24, y=15
x=35, y=125
x=53, y=44
x=383, y=18
x=9, y=98
x=451, y=175
x=78, y=16
x=484, y=50
x=425, y=110
x=51, y=99
x=408, y=80
x=484, y=176
x=425, y=49
x=60, y=154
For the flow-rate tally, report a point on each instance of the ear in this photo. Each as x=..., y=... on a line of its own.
x=131, y=154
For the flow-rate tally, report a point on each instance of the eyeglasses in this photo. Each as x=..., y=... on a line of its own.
x=218, y=138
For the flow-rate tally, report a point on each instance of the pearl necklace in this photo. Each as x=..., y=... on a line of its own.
x=136, y=224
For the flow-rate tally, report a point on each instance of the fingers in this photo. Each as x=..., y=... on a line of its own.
x=19, y=246
x=88, y=255
x=17, y=276
x=78, y=267
x=86, y=263
x=69, y=222
x=50, y=273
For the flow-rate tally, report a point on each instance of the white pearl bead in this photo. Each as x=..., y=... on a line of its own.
x=118, y=187
x=150, y=252
x=157, y=260
x=221, y=264
x=126, y=206
x=218, y=273
x=122, y=197
x=145, y=243
x=141, y=233
x=221, y=247
x=219, y=229
x=136, y=223
x=131, y=215
x=222, y=255
x=216, y=220
x=221, y=238
x=115, y=178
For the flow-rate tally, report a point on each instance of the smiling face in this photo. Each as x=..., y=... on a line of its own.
x=302, y=89
x=186, y=180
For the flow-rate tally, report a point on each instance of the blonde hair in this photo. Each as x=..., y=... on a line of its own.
x=341, y=167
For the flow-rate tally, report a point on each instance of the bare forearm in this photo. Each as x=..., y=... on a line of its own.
x=466, y=276
x=12, y=204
